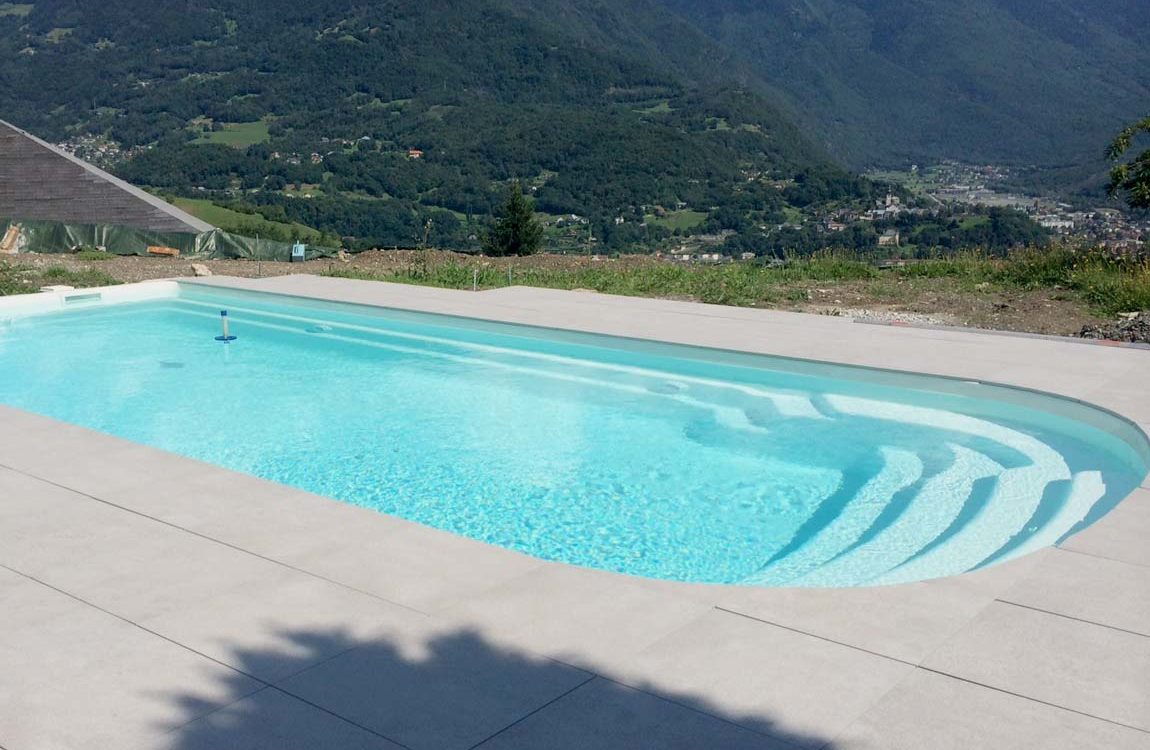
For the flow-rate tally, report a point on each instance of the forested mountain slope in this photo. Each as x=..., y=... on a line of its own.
x=897, y=81
x=413, y=110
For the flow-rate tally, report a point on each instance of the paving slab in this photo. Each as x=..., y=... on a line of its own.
x=582, y=617
x=1075, y=665
x=120, y=561
x=231, y=605
x=903, y=622
x=441, y=689
x=282, y=624
x=417, y=566
x=331, y=538
x=929, y=710
x=215, y=502
x=73, y=677
x=1130, y=402
x=272, y=720
x=47, y=447
x=261, y=617
x=236, y=508
x=1121, y=535
x=766, y=678
x=607, y=716
x=1095, y=589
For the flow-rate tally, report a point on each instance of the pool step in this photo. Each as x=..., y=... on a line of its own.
x=900, y=470
x=930, y=513
x=695, y=391
x=1086, y=489
x=1013, y=502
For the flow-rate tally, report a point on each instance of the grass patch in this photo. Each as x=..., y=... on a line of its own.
x=1113, y=287
x=19, y=10
x=662, y=107
x=238, y=134
x=249, y=225
x=739, y=284
x=673, y=220
x=793, y=215
x=1108, y=285
x=972, y=222
x=93, y=255
x=20, y=279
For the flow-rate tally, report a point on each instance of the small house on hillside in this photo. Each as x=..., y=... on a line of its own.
x=890, y=238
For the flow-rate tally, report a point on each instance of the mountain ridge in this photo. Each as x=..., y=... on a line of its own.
x=395, y=123
x=890, y=82
x=484, y=91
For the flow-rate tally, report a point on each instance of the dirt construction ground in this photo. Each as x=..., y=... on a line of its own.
x=928, y=301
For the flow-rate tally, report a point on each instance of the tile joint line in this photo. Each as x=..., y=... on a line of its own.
x=1072, y=618
x=1097, y=556
x=263, y=684
x=1031, y=698
x=695, y=709
x=212, y=539
x=814, y=635
x=591, y=676
x=947, y=674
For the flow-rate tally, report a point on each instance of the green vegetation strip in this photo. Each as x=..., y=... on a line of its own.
x=1109, y=285
x=15, y=9
x=252, y=224
x=237, y=134
x=18, y=279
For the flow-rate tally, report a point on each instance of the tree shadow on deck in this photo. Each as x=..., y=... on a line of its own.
x=452, y=690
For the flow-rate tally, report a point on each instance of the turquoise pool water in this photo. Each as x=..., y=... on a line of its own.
x=641, y=458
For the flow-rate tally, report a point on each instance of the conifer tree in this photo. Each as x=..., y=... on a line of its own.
x=516, y=230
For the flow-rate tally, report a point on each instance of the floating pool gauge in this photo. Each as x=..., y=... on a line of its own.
x=224, y=337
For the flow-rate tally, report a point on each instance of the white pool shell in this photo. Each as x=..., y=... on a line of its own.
x=1002, y=521
x=175, y=572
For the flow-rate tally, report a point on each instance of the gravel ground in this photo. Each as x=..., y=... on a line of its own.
x=1133, y=329
x=128, y=269
x=895, y=316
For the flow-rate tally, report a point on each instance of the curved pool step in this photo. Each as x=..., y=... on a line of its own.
x=1087, y=488
x=930, y=513
x=730, y=417
x=786, y=403
x=1012, y=504
x=900, y=470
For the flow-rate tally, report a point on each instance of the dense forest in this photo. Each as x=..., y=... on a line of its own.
x=896, y=82
x=398, y=123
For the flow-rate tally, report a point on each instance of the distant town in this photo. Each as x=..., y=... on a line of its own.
x=988, y=185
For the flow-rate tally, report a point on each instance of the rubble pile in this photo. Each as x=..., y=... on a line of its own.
x=1132, y=328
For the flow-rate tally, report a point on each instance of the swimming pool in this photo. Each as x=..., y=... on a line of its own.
x=636, y=457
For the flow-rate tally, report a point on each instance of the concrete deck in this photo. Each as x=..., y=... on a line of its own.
x=149, y=601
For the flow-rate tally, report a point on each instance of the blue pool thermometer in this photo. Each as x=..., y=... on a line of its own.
x=224, y=326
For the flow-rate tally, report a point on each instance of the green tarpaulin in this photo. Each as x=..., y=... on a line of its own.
x=51, y=237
